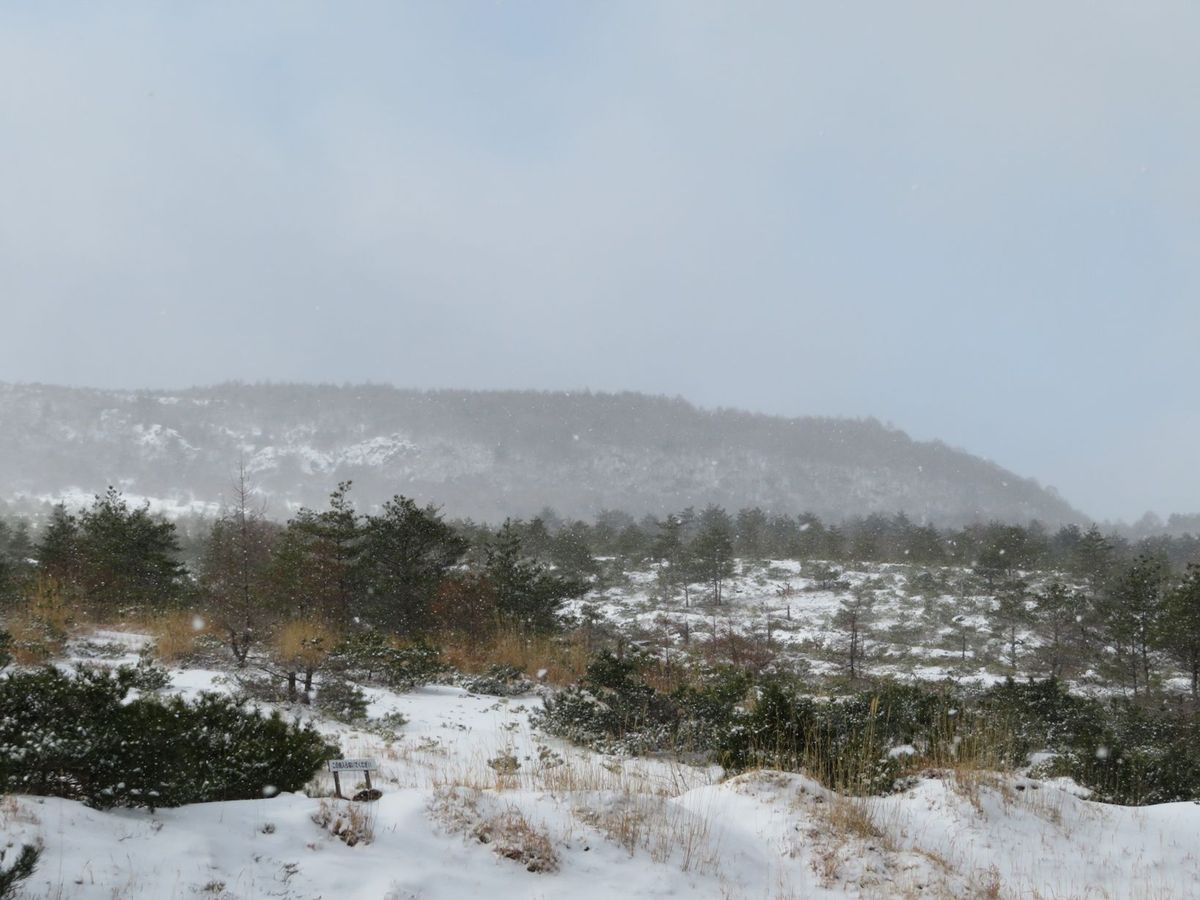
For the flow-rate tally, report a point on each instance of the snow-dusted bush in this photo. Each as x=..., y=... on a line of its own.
x=611, y=709
x=147, y=676
x=1137, y=756
x=341, y=700
x=370, y=656
x=500, y=680
x=80, y=735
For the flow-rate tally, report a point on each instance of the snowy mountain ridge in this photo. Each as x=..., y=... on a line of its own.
x=489, y=454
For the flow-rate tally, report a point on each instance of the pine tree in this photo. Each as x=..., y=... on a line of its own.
x=570, y=552
x=852, y=618
x=405, y=554
x=713, y=549
x=1093, y=558
x=526, y=593
x=1010, y=615
x=235, y=573
x=1180, y=627
x=127, y=558
x=22, y=868
x=1133, y=614
x=674, y=555
x=1061, y=614
x=750, y=536
x=16, y=551
x=316, y=562
x=58, y=552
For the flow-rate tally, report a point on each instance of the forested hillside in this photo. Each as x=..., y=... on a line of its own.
x=489, y=454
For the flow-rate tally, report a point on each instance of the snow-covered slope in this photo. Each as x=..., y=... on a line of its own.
x=477, y=803
x=488, y=455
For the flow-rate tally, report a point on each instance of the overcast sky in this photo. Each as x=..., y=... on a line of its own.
x=979, y=222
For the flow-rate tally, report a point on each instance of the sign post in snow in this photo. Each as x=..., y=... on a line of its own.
x=337, y=766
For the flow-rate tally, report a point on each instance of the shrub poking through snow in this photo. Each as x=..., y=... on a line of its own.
x=147, y=676
x=348, y=822
x=371, y=657
x=1123, y=752
x=500, y=680
x=341, y=700
x=512, y=837
x=412, y=666
x=80, y=736
x=21, y=868
x=613, y=710
x=504, y=829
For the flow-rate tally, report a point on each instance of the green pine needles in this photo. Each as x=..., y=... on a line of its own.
x=87, y=736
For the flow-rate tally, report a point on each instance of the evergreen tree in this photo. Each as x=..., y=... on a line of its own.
x=21, y=868
x=750, y=535
x=923, y=545
x=1180, y=631
x=1010, y=615
x=1133, y=615
x=57, y=552
x=235, y=573
x=536, y=538
x=1061, y=614
x=713, y=549
x=16, y=551
x=570, y=552
x=316, y=562
x=813, y=541
x=633, y=545
x=853, y=618
x=674, y=555
x=127, y=558
x=833, y=544
x=526, y=593
x=405, y=553
x=1093, y=557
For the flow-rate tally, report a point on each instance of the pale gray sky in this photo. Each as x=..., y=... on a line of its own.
x=980, y=222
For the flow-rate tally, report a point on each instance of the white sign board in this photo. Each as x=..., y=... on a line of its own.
x=353, y=765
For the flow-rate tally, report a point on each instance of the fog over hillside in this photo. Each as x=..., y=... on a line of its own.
x=487, y=455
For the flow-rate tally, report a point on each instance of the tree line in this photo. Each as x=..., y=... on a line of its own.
x=404, y=570
x=401, y=572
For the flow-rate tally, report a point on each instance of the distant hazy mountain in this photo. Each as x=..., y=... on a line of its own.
x=487, y=454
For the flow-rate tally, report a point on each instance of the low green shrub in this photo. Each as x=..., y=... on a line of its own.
x=368, y=656
x=1123, y=752
x=611, y=709
x=81, y=736
x=500, y=680
x=341, y=700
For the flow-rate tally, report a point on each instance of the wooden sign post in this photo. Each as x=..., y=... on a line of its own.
x=337, y=766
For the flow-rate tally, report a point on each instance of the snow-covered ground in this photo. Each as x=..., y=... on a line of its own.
x=923, y=623
x=477, y=803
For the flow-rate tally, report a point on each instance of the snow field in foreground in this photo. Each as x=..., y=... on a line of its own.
x=477, y=803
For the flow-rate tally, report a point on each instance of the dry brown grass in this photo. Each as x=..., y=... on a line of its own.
x=472, y=812
x=563, y=659
x=852, y=816
x=350, y=822
x=664, y=830
x=304, y=642
x=512, y=837
x=39, y=628
x=174, y=633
